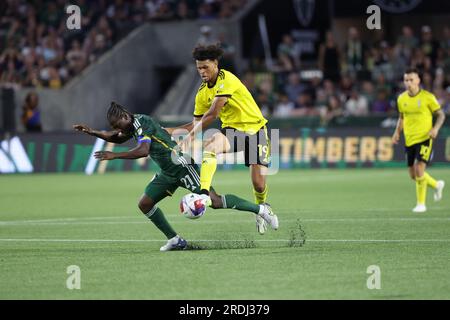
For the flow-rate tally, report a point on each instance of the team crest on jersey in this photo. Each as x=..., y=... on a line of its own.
x=418, y=103
x=139, y=131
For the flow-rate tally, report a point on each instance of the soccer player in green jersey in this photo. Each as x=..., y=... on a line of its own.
x=222, y=95
x=176, y=169
x=417, y=107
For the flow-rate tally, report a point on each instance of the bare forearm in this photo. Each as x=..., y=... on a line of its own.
x=110, y=136
x=188, y=127
x=399, y=127
x=203, y=124
x=439, y=120
x=131, y=154
x=105, y=135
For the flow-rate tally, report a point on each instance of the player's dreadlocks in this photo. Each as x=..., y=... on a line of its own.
x=210, y=52
x=116, y=112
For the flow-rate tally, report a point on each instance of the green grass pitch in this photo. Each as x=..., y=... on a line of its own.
x=352, y=219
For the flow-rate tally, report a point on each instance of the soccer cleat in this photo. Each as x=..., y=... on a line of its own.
x=207, y=199
x=175, y=243
x=420, y=208
x=261, y=224
x=269, y=217
x=438, y=192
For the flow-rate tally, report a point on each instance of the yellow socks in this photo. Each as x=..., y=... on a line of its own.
x=421, y=189
x=207, y=170
x=260, y=197
x=430, y=181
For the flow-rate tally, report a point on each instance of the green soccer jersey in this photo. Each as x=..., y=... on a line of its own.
x=162, y=146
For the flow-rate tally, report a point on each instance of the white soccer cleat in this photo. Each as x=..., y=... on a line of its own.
x=175, y=243
x=420, y=208
x=261, y=224
x=438, y=192
x=268, y=216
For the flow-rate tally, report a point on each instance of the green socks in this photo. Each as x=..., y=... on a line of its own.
x=158, y=219
x=231, y=201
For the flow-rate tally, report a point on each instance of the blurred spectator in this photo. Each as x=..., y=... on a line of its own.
x=206, y=12
x=406, y=43
x=368, y=91
x=446, y=103
x=356, y=105
x=346, y=86
x=355, y=51
x=329, y=59
x=445, y=43
x=54, y=78
x=288, y=55
x=284, y=107
x=227, y=61
x=332, y=111
x=206, y=36
x=428, y=44
x=427, y=81
x=381, y=59
x=265, y=102
x=76, y=58
x=183, y=11
x=294, y=87
x=381, y=105
x=31, y=116
x=304, y=106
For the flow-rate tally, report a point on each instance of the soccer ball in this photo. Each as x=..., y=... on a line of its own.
x=192, y=206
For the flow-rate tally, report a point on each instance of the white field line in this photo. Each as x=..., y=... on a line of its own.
x=237, y=240
x=233, y=220
x=242, y=219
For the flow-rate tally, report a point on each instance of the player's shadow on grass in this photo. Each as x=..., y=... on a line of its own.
x=297, y=238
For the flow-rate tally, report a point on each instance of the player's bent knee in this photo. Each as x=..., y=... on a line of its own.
x=145, y=204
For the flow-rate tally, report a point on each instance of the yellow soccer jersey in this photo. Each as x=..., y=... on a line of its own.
x=417, y=115
x=240, y=112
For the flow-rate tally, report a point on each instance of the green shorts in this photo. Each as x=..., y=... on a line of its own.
x=165, y=184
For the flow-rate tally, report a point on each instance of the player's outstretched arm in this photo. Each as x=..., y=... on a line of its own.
x=110, y=136
x=140, y=151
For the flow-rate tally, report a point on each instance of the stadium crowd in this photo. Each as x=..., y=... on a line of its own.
x=360, y=78
x=38, y=50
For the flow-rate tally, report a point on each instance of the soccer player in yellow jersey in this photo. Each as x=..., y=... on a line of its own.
x=416, y=108
x=222, y=95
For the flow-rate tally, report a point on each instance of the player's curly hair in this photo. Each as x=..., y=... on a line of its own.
x=207, y=52
x=116, y=112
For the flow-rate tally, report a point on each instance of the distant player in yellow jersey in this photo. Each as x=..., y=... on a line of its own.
x=416, y=108
x=222, y=95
